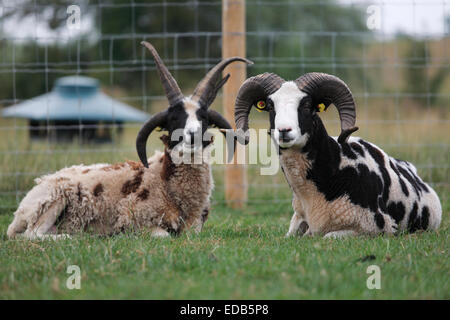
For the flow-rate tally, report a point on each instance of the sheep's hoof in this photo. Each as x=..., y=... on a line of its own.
x=300, y=231
x=46, y=236
x=339, y=234
x=62, y=236
x=160, y=233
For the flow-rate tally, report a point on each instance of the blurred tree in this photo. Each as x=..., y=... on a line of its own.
x=312, y=36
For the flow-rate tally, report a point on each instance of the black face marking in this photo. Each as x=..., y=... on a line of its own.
x=176, y=119
x=202, y=116
x=308, y=120
x=270, y=108
x=396, y=210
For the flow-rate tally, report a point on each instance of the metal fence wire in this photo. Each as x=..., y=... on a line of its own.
x=400, y=78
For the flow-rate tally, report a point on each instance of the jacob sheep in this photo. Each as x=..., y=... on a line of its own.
x=341, y=186
x=162, y=195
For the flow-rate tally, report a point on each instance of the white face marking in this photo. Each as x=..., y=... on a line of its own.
x=286, y=101
x=193, y=125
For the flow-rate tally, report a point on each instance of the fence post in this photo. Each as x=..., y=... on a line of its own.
x=233, y=44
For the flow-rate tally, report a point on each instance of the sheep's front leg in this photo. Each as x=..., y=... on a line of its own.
x=44, y=228
x=298, y=226
x=340, y=234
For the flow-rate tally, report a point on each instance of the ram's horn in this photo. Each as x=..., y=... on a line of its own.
x=158, y=120
x=170, y=85
x=328, y=89
x=252, y=90
x=207, y=88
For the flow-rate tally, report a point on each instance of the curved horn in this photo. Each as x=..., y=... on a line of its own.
x=173, y=92
x=158, y=120
x=328, y=89
x=217, y=120
x=207, y=88
x=253, y=89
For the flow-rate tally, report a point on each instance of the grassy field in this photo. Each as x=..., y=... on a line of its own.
x=241, y=254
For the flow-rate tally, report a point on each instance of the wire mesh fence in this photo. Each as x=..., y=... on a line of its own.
x=400, y=80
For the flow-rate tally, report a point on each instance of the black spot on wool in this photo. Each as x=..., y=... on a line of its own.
x=413, y=222
x=364, y=187
x=400, y=179
x=377, y=155
x=424, y=219
x=98, y=190
x=416, y=222
x=348, y=152
x=396, y=210
x=419, y=182
x=379, y=220
x=411, y=180
x=360, y=184
x=355, y=146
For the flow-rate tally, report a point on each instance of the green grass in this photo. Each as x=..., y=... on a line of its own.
x=241, y=254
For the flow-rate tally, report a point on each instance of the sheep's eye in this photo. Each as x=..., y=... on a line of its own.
x=261, y=105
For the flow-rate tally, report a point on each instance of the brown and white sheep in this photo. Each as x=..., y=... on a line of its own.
x=164, y=195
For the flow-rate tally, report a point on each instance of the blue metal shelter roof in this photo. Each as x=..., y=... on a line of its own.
x=75, y=98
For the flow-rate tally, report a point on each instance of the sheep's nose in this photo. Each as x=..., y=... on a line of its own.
x=284, y=134
x=285, y=130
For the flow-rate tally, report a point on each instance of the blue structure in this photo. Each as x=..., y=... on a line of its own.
x=75, y=107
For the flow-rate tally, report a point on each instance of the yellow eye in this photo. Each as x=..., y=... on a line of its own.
x=260, y=105
x=321, y=107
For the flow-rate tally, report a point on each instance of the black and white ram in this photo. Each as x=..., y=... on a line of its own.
x=341, y=186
